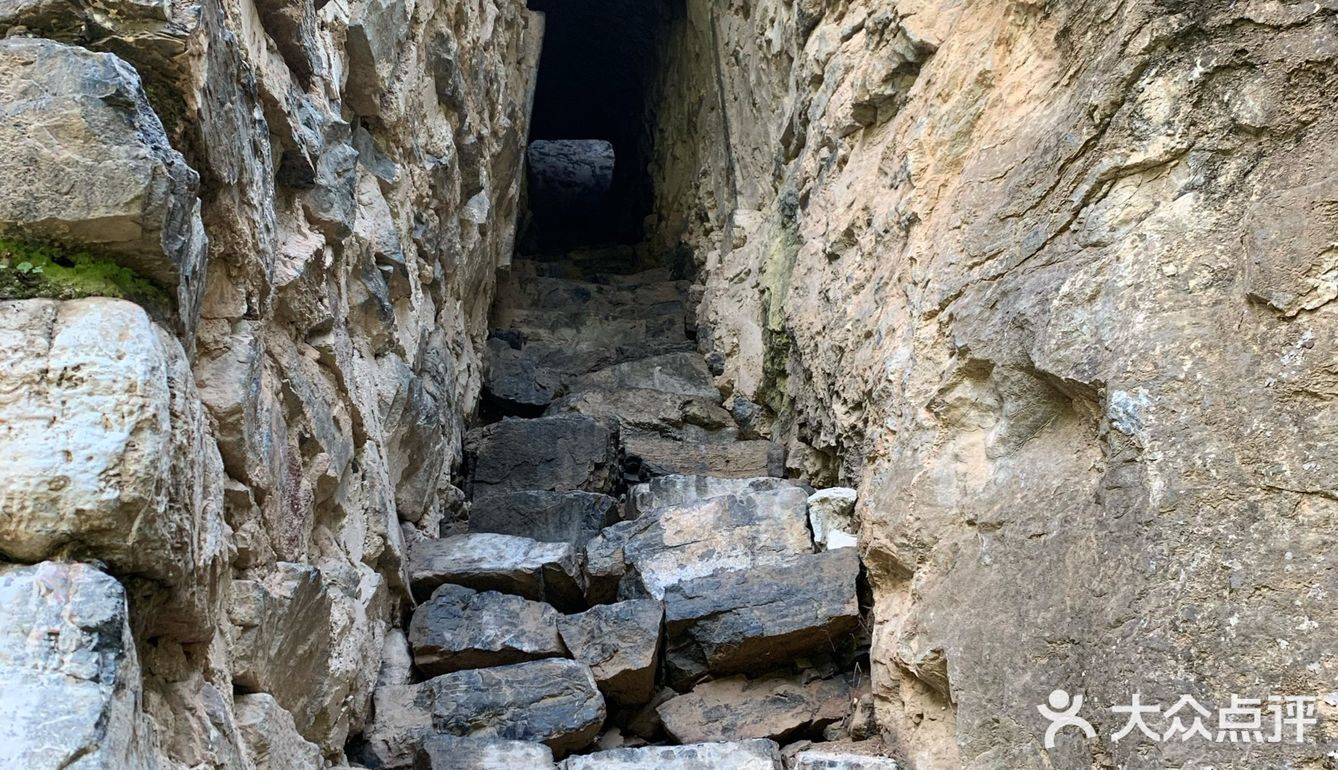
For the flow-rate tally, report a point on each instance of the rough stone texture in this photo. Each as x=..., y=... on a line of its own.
x=272, y=740
x=565, y=452
x=446, y=752
x=549, y=517
x=486, y=562
x=514, y=379
x=747, y=619
x=672, y=545
x=552, y=701
x=460, y=628
x=779, y=707
x=1053, y=283
x=68, y=113
x=70, y=680
x=107, y=454
x=667, y=491
x=831, y=516
x=620, y=643
x=743, y=755
x=868, y=755
x=684, y=374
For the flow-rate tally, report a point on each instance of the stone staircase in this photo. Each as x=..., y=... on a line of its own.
x=637, y=587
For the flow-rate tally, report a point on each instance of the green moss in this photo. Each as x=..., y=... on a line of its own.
x=29, y=270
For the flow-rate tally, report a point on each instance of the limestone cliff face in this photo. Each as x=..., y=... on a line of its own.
x=1054, y=283
x=307, y=204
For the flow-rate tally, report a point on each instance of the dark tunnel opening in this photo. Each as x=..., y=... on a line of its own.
x=595, y=75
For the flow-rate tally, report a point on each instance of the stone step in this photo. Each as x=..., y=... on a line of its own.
x=553, y=701
x=449, y=752
x=621, y=644
x=653, y=411
x=642, y=332
x=523, y=288
x=570, y=361
x=676, y=544
x=840, y=755
x=716, y=455
x=459, y=628
x=505, y=563
x=562, y=452
x=587, y=314
x=547, y=516
x=777, y=706
x=673, y=490
x=682, y=373
x=757, y=617
x=742, y=755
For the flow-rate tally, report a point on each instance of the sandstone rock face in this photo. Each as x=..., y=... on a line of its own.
x=70, y=681
x=107, y=453
x=550, y=701
x=74, y=114
x=744, y=755
x=459, y=628
x=620, y=643
x=505, y=563
x=736, y=708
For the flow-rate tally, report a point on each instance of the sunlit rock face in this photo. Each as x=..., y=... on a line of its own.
x=1053, y=285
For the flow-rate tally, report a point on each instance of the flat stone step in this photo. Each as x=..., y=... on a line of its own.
x=562, y=452
x=776, y=706
x=667, y=491
x=551, y=701
x=504, y=563
x=841, y=755
x=672, y=545
x=672, y=415
x=715, y=456
x=459, y=628
x=741, y=755
x=754, y=618
x=449, y=752
x=589, y=313
x=683, y=374
x=547, y=516
x=572, y=361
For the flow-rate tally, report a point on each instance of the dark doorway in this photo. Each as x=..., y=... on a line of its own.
x=596, y=72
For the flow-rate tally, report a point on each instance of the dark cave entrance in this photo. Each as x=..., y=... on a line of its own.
x=596, y=73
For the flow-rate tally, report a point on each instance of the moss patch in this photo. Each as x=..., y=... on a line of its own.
x=29, y=270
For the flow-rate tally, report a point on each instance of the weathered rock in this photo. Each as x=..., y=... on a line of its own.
x=565, y=452
x=701, y=453
x=376, y=33
x=676, y=544
x=656, y=412
x=743, y=755
x=459, y=628
x=674, y=490
x=553, y=701
x=620, y=643
x=831, y=516
x=396, y=659
x=684, y=374
x=271, y=737
x=107, y=454
x=69, y=675
x=549, y=517
x=515, y=381
x=487, y=562
x=780, y=707
x=749, y=619
x=448, y=752
x=74, y=114
x=281, y=638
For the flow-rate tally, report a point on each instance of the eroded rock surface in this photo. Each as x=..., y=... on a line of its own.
x=459, y=628
x=621, y=644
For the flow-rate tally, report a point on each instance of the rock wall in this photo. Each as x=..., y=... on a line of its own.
x=1053, y=282
x=248, y=250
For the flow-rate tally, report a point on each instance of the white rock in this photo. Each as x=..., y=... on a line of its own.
x=271, y=738
x=743, y=755
x=831, y=514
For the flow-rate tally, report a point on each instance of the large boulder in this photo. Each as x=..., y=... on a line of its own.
x=672, y=545
x=70, y=679
x=549, y=517
x=449, y=752
x=675, y=490
x=107, y=454
x=563, y=452
x=71, y=114
x=779, y=707
x=743, y=755
x=486, y=562
x=272, y=740
x=459, y=628
x=553, y=701
x=621, y=644
x=749, y=619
